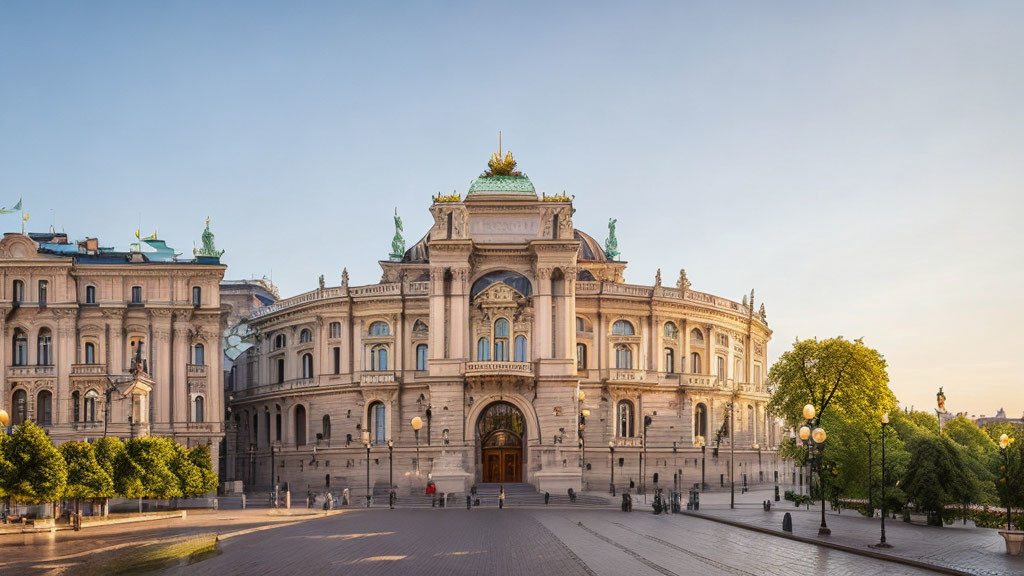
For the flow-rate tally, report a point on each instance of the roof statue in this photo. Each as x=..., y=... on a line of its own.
x=344, y=278
x=398, y=242
x=209, y=248
x=498, y=166
x=761, y=313
x=940, y=398
x=322, y=284
x=657, y=277
x=744, y=303
x=611, y=245
x=683, y=283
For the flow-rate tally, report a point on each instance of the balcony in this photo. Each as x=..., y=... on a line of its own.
x=197, y=370
x=276, y=387
x=88, y=370
x=31, y=371
x=377, y=379
x=499, y=371
x=698, y=380
x=625, y=376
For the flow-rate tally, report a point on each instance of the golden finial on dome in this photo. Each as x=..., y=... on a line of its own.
x=498, y=166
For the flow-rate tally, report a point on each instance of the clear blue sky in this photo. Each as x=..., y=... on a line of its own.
x=858, y=164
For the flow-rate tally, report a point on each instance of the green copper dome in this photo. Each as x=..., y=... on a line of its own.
x=514, y=185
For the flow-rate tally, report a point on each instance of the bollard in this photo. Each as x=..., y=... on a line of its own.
x=787, y=523
x=776, y=493
x=469, y=502
x=547, y=497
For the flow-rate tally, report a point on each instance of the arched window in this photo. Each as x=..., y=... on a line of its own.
x=671, y=331
x=670, y=360
x=90, y=353
x=20, y=403
x=581, y=325
x=501, y=330
x=695, y=363
x=700, y=422
x=378, y=423
x=90, y=405
x=44, y=408
x=198, y=416
x=581, y=356
x=326, y=428
x=334, y=330
x=624, y=419
x=421, y=357
x=380, y=329
x=43, y=348
x=20, y=352
x=623, y=328
x=720, y=368
x=623, y=357
x=305, y=336
x=280, y=341
x=307, y=365
x=483, y=350
x=197, y=296
x=379, y=358
x=520, y=352
x=76, y=406
x=300, y=425
x=19, y=292
x=199, y=354
x=696, y=337
x=90, y=294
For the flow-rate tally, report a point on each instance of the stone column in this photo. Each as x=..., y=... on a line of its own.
x=542, y=315
x=459, y=306
x=568, y=320
x=710, y=350
x=685, y=367
x=64, y=350
x=436, y=349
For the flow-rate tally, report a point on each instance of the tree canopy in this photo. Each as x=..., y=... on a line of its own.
x=834, y=374
x=86, y=478
x=107, y=451
x=37, y=473
x=142, y=470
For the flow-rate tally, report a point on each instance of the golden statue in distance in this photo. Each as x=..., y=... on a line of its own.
x=497, y=166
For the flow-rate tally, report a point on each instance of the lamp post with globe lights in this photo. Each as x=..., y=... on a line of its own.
x=366, y=442
x=417, y=423
x=815, y=450
x=1004, y=446
x=611, y=450
x=882, y=543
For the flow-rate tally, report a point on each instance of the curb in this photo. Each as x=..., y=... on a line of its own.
x=98, y=523
x=834, y=546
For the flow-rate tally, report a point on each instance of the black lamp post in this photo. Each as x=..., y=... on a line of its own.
x=391, y=473
x=1004, y=447
x=417, y=423
x=815, y=451
x=643, y=477
x=882, y=543
x=729, y=421
x=703, y=454
x=611, y=450
x=366, y=442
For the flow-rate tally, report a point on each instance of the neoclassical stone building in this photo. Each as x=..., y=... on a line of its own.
x=99, y=342
x=514, y=339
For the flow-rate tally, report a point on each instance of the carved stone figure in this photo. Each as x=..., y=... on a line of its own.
x=941, y=399
x=611, y=245
x=344, y=278
x=761, y=313
x=322, y=284
x=209, y=248
x=657, y=277
x=683, y=283
x=398, y=242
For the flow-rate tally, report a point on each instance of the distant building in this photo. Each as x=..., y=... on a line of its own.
x=99, y=342
x=999, y=417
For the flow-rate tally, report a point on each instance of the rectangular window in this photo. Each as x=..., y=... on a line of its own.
x=721, y=369
x=280, y=370
x=90, y=294
x=336, y=353
x=136, y=294
x=42, y=293
x=197, y=296
x=335, y=330
x=757, y=374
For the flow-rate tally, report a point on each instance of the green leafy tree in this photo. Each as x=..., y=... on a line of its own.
x=981, y=455
x=937, y=476
x=143, y=469
x=107, y=451
x=37, y=473
x=1010, y=479
x=200, y=456
x=6, y=468
x=86, y=478
x=847, y=384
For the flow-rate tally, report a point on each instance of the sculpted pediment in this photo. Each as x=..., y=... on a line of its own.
x=17, y=246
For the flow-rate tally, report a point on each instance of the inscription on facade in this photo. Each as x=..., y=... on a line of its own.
x=495, y=229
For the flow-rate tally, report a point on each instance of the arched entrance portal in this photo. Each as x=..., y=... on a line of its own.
x=500, y=431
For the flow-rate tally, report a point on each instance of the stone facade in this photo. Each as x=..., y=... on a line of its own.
x=73, y=320
x=502, y=303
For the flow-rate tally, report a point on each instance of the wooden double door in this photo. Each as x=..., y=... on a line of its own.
x=503, y=464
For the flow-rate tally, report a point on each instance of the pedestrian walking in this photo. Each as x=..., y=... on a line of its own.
x=501, y=498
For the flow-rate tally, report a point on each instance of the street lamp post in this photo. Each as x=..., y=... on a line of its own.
x=730, y=421
x=815, y=450
x=366, y=442
x=417, y=423
x=882, y=543
x=643, y=475
x=703, y=455
x=1004, y=447
x=391, y=473
x=611, y=450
